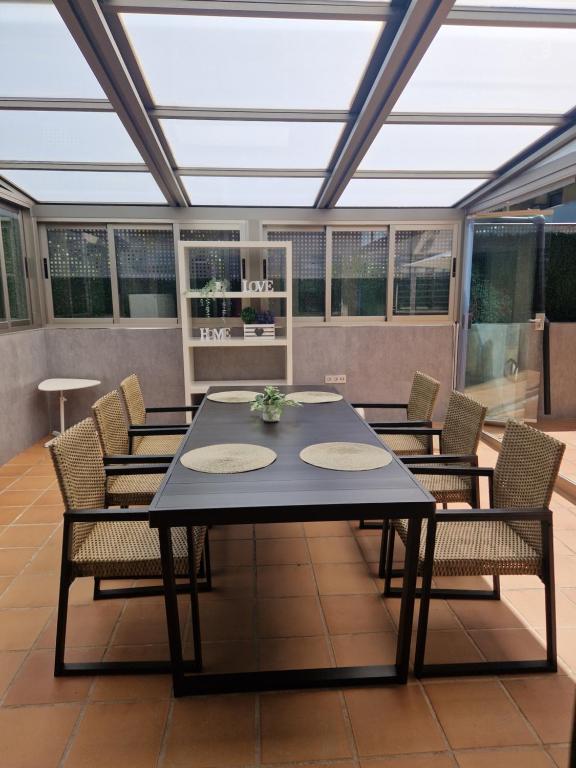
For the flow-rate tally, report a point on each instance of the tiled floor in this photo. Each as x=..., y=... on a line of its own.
x=286, y=595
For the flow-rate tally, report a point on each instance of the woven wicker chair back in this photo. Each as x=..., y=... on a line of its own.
x=77, y=458
x=462, y=425
x=422, y=397
x=133, y=399
x=111, y=424
x=525, y=474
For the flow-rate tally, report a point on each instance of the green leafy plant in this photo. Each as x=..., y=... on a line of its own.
x=210, y=291
x=272, y=399
x=248, y=315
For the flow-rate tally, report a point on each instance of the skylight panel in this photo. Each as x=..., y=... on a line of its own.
x=86, y=186
x=65, y=137
x=251, y=143
x=217, y=61
x=494, y=69
x=544, y=5
x=39, y=58
x=400, y=193
x=448, y=147
x=244, y=190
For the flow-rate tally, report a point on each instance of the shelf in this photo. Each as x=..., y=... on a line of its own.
x=199, y=387
x=238, y=295
x=239, y=343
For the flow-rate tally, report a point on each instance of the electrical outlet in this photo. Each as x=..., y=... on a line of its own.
x=335, y=378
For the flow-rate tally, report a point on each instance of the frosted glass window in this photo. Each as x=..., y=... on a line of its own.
x=38, y=56
x=308, y=268
x=494, y=69
x=251, y=144
x=86, y=186
x=422, y=269
x=399, y=193
x=359, y=273
x=90, y=137
x=448, y=147
x=217, y=263
x=210, y=61
x=244, y=190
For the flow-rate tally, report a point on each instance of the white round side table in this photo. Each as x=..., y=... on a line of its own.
x=64, y=385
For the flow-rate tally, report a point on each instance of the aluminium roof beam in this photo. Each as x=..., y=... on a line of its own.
x=56, y=105
x=90, y=31
x=416, y=32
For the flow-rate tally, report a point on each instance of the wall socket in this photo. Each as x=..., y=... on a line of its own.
x=335, y=378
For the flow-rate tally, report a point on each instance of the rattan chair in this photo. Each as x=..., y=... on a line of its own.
x=512, y=537
x=115, y=543
x=119, y=439
x=136, y=408
x=458, y=438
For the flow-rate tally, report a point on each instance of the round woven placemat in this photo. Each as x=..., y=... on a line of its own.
x=314, y=396
x=228, y=458
x=351, y=457
x=233, y=396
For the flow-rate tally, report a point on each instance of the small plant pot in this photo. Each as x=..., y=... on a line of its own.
x=254, y=331
x=271, y=414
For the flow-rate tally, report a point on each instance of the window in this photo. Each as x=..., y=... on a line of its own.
x=422, y=271
x=308, y=269
x=359, y=272
x=110, y=272
x=217, y=264
x=14, y=304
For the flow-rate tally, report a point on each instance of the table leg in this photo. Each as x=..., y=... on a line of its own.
x=408, y=598
x=171, y=603
x=62, y=423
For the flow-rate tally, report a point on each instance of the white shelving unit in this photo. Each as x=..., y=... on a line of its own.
x=200, y=261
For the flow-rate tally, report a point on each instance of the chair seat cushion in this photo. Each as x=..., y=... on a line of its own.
x=446, y=489
x=406, y=445
x=126, y=490
x=126, y=549
x=476, y=549
x=157, y=445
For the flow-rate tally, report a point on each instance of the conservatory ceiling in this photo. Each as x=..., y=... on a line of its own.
x=314, y=103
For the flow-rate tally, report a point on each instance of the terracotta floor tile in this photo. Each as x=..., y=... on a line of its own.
x=279, y=530
x=119, y=734
x=565, y=570
x=82, y=590
x=131, y=687
x=50, y=498
x=228, y=657
x=19, y=628
x=233, y=582
x=32, y=483
x=10, y=662
x=35, y=737
x=441, y=615
x=231, y=553
x=438, y=760
x=294, y=653
x=9, y=514
x=11, y=498
x=348, y=614
x=31, y=590
x=387, y=721
x=5, y=582
x=41, y=470
x=330, y=528
x=364, y=649
x=489, y=614
x=335, y=549
x=211, y=732
x=508, y=644
x=285, y=581
x=567, y=645
x=226, y=619
x=561, y=756
x=530, y=603
x=6, y=481
x=141, y=652
x=35, y=682
x=548, y=703
x=26, y=535
x=370, y=547
x=47, y=559
x=46, y=514
x=289, y=617
x=142, y=623
x=12, y=561
x=282, y=552
x=227, y=532
x=505, y=758
x=343, y=578
x=447, y=646
x=88, y=625
x=303, y=726
x=478, y=714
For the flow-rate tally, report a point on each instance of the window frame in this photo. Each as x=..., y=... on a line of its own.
x=7, y=324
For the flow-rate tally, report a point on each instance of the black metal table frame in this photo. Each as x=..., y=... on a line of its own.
x=324, y=677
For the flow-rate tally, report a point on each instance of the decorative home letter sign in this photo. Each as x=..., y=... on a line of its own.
x=257, y=286
x=214, y=334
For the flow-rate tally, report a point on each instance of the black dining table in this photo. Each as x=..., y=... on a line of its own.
x=288, y=490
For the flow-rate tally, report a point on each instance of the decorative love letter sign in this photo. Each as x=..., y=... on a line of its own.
x=214, y=334
x=257, y=286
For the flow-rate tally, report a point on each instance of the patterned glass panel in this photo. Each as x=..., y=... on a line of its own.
x=14, y=269
x=2, y=306
x=146, y=269
x=560, y=272
x=308, y=269
x=214, y=264
x=79, y=272
x=359, y=273
x=422, y=269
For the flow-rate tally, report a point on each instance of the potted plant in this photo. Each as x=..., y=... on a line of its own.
x=258, y=324
x=210, y=291
x=271, y=403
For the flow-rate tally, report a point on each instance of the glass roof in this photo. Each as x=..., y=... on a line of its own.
x=545, y=5
x=86, y=186
x=38, y=56
x=65, y=136
x=410, y=193
x=251, y=144
x=256, y=190
x=494, y=69
x=207, y=61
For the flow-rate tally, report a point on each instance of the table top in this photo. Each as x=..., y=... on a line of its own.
x=289, y=489
x=62, y=385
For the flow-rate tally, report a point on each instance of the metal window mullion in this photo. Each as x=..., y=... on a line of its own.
x=391, y=264
x=113, y=273
x=7, y=312
x=329, y=250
